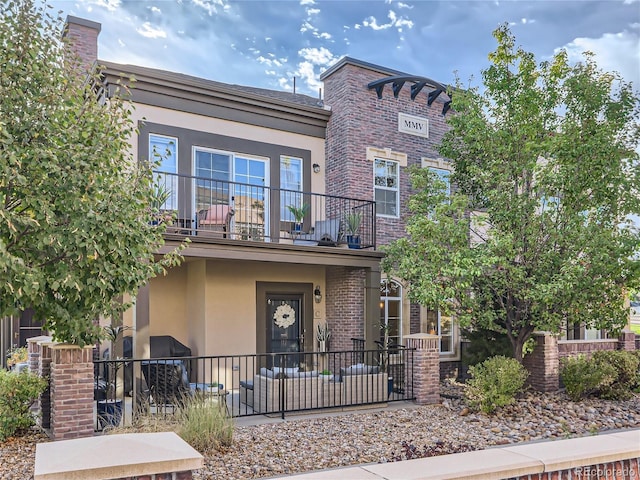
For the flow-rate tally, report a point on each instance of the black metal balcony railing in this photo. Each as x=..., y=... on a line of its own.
x=251, y=384
x=205, y=207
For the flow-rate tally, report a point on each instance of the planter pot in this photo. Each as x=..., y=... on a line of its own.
x=109, y=413
x=326, y=378
x=353, y=241
x=322, y=346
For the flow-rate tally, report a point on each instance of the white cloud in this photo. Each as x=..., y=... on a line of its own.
x=404, y=5
x=146, y=30
x=111, y=5
x=313, y=58
x=618, y=52
x=211, y=6
x=313, y=11
x=395, y=22
x=155, y=9
x=307, y=2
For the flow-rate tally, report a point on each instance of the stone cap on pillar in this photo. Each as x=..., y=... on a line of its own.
x=68, y=353
x=422, y=341
x=40, y=339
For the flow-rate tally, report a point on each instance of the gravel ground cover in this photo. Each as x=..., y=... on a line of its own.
x=307, y=443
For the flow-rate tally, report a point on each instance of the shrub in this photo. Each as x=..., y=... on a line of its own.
x=582, y=377
x=494, y=383
x=203, y=426
x=625, y=367
x=18, y=391
x=610, y=374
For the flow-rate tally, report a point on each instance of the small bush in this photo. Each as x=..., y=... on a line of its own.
x=18, y=391
x=204, y=425
x=625, y=366
x=582, y=377
x=610, y=374
x=494, y=383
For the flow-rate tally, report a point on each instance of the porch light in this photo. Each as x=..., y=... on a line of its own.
x=317, y=294
x=316, y=168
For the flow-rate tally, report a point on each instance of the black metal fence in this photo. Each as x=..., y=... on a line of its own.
x=251, y=384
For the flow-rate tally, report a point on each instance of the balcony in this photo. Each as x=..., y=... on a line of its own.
x=205, y=208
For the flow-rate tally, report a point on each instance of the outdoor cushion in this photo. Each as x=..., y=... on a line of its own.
x=312, y=373
x=248, y=384
x=286, y=371
x=359, y=369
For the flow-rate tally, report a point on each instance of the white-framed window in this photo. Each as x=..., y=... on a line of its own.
x=237, y=180
x=391, y=312
x=386, y=185
x=163, y=150
x=290, y=183
x=439, y=324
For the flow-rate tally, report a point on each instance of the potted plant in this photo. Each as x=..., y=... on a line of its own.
x=322, y=335
x=110, y=409
x=159, y=215
x=326, y=375
x=298, y=214
x=352, y=221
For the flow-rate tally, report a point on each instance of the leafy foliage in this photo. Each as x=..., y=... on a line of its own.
x=494, y=383
x=18, y=391
x=607, y=374
x=581, y=378
x=483, y=344
x=75, y=235
x=546, y=175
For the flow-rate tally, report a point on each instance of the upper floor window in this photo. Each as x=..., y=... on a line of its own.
x=163, y=150
x=386, y=187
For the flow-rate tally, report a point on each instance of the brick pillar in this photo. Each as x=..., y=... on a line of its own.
x=44, y=370
x=424, y=380
x=34, y=349
x=543, y=363
x=627, y=341
x=71, y=391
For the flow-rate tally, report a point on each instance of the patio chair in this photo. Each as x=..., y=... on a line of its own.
x=216, y=218
x=167, y=381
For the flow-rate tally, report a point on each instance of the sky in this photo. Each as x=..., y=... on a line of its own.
x=267, y=44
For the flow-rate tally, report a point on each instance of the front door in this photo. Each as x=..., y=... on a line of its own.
x=285, y=331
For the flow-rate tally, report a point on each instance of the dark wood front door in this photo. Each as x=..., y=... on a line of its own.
x=284, y=321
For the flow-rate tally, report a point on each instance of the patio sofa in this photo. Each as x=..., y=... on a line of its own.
x=300, y=390
x=357, y=384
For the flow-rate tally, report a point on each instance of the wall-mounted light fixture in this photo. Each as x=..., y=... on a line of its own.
x=316, y=168
x=317, y=294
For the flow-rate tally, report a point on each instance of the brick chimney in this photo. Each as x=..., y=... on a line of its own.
x=82, y=35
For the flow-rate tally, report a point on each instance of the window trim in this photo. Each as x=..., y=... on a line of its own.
x=388, y=189
x=384, y=300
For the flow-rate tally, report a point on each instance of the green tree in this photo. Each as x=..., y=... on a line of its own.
x=545, y=175
x=75, y=234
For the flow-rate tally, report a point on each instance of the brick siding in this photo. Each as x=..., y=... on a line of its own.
x=345, y=305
